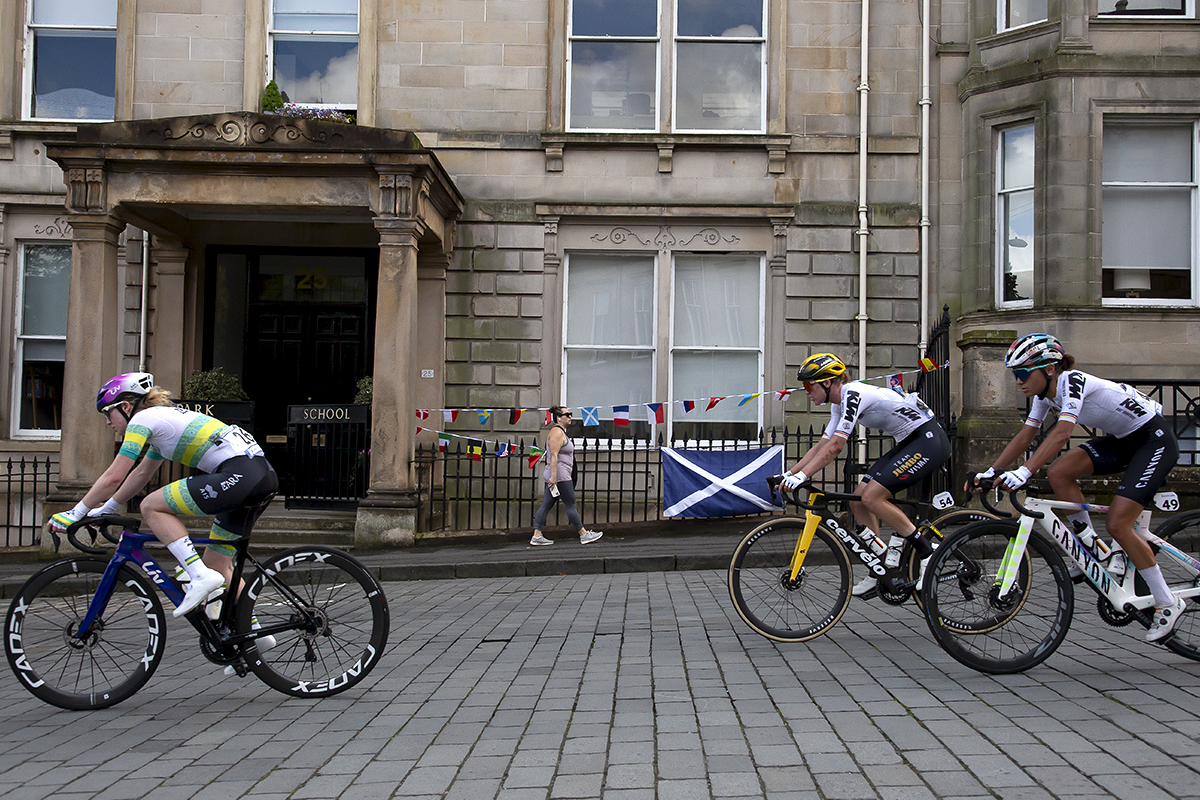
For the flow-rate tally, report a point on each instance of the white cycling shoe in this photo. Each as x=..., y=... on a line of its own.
x=264, y=643
x=198, y=591
x=865, y=587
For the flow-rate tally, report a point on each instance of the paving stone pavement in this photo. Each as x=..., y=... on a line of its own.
x=629, y=686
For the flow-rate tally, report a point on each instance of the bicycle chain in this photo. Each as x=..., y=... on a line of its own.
x=1109, y=613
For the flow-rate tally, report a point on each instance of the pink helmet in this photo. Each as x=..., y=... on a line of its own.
x=123, y=387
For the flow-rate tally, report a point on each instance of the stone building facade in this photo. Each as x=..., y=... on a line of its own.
x=611, y=202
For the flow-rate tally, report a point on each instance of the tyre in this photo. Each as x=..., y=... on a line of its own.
x=116, y=658
x=1184, y=533
x=976, y=626
x=766, y=596
x=338, y=618
x=942, y=527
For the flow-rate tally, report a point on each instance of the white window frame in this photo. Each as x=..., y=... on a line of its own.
x=665, y=359
x=1194, y=186
x=1000, y=228
x=19, y=339
x=1189, y=12
x=1002, y=17
x=29, y=65
x=274, y=33
x=666, y=62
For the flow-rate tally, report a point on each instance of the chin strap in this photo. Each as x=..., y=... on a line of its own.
x=1045, y=389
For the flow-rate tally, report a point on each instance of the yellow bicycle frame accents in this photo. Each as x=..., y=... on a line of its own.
x=811, y=521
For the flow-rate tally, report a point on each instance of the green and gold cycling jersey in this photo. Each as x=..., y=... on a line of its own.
x=187, y=437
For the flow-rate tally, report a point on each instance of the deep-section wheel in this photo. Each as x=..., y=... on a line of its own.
x=1183, y=532
x=945, y=525
x=774, y=603
x=336, y=619
x=983, y=627
x=117, y=656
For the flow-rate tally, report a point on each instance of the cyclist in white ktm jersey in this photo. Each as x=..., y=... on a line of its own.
x=921, y=447
x=1138, y=443
x=235, y=481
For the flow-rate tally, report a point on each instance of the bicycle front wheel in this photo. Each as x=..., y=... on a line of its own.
x=773, y=603
x=975, y=624
x=1184, y=533
x=115, y=659
x=329, y=618
x=944, y=526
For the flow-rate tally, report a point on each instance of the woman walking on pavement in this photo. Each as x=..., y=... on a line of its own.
x=560, y=460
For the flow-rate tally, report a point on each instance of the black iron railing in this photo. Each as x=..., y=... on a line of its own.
x=27, y=481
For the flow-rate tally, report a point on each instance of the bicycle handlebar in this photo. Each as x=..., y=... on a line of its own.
x=774, y=482
x=987, y=484
x=100, y=523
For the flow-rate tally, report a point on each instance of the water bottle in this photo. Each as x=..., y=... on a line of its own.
x=895, y=546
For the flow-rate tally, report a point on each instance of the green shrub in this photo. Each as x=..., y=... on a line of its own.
x=362, y=391
x=215, y=384
x=272, y=100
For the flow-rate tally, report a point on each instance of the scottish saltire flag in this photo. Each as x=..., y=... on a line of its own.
x=591, y=415
x=621, y=415
x=655, y=412
x=716, y=483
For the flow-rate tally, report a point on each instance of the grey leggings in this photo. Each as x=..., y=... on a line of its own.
x=566, y=491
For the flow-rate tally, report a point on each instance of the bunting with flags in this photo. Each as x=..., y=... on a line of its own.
x=535, y=455
x=712, y=402
x=686, y=405
x=443, y=440
x=422, y=413
x=927, y=365
x=591, y=416
x=621, y=416
x=656, y=412
x=514, y=416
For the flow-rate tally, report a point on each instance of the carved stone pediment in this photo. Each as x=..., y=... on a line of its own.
x=245, y=130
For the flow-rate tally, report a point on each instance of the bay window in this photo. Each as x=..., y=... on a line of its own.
x=1015, y=217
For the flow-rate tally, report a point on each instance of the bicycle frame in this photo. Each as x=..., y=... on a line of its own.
x=1121, y=593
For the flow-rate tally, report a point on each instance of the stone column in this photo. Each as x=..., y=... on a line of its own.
x=387, y=516
x=992, y=406
x=92, y=355
x=166, y=362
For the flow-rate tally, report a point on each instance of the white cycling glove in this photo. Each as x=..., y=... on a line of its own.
x=1015, y=479
x=110, y=506
x=987, y=473
x=794, y=480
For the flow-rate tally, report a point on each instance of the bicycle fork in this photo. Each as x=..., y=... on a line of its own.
x=811, y=521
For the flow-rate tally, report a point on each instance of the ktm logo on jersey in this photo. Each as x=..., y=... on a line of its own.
x=1075, y=383
x=853, y=399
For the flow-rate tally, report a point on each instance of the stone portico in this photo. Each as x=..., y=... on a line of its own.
x=262, y=180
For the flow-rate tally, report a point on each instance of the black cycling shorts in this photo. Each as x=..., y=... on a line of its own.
x=912, y=460
x=235, y=492
x=1146, y=456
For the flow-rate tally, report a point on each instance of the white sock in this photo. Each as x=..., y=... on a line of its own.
x=185, y=553
x=1158, y=587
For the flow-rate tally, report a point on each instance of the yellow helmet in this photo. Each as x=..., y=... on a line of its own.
x=820, y=367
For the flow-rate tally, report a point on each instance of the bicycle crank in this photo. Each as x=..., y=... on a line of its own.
x=1109, y=613
x=894, y=589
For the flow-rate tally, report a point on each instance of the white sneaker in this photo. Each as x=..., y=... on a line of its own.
x=1165, y=620
x=264, y=643
x=865, y=586
x=587, y=537
x=198, y=591
x=540, y=540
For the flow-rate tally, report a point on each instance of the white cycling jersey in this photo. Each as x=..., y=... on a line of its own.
x=1115, y=408
x=897, y=415
x=187, y=437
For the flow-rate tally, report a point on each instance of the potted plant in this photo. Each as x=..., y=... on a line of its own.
x=218, y=394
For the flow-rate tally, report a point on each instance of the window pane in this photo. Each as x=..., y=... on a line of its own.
x=717, y=301
x=1148, y=153
x=315, y=71
x=613, y=85
x=720, y=86
x=47, y=285
x=41, y=392
x=327, y=16
x=74, y=75
x=1017, y=246
x=610, y=301
x=720, y=18
x=614, y=18
x=1145, y=227
x=76, y=13
x=1140, y=7
x=702, y=375
x=1024, y=12
x=1018, y=157
x=604, y=377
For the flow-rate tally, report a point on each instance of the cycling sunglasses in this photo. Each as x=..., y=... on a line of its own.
x=1023, y=374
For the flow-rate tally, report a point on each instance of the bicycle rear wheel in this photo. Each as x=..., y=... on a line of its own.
x=766, y=596
x=944, y=526
x=336, y=619
x=116, y=658
x=1184, y=533
x=976, y=626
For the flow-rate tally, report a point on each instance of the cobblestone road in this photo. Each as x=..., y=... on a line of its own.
x=642, y=685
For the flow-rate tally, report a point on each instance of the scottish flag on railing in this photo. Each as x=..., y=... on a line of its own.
x=718, y=483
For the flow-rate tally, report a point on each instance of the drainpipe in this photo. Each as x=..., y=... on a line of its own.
x=863, y=231
x=145, y=293
x=925, y=103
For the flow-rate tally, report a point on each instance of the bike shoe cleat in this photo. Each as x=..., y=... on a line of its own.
x=198, y=591
x=1165, y=620
x=865, y=588
x=264, y=643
